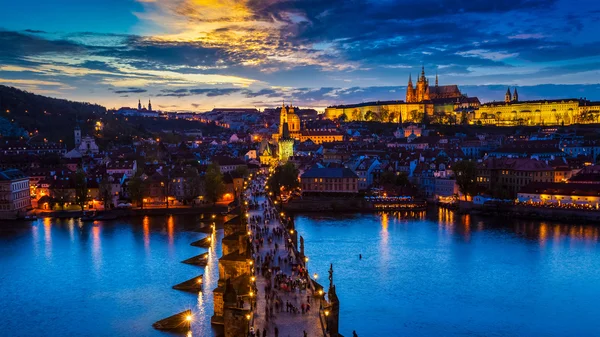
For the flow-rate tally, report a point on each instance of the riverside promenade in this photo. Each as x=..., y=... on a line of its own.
x=283, y=305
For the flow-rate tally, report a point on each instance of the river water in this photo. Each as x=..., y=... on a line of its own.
x=434, y=275
x=445, y=275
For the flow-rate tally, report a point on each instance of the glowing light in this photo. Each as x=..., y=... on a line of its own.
x=320, y=291
x=306, y=259
x=253, y=278
x=188, y=318
x=315, y=276
x=326, y=312
x=248, y=317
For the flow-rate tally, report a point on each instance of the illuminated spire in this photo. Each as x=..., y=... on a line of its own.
x=410, y=84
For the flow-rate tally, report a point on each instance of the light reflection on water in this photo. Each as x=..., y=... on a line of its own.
x=452, y=275
x=65, y=277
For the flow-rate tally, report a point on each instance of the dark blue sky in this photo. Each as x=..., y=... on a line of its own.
x=196, y=54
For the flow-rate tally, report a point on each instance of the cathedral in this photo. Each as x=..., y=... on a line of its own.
x=423, y=92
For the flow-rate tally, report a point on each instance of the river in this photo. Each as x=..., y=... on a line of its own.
x=434, y=275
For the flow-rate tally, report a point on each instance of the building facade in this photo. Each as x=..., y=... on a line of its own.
x=15, y=197
x=329, y=180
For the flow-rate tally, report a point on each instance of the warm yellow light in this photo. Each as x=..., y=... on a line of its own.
x=249, y=233
x=306, y=259
x=248, y=317
x=291, y=231
x=251, y=262
x=199, y=280
x=320, y=292
x=251, y=294
x=326, y=312
x=214, y=216
x=315, y=276
x=188, y=318
x=253, y=278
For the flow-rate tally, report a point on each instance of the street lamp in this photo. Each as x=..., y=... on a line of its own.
x=315, y=276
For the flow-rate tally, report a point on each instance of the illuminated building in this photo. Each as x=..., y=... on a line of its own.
x=14, y=193
x=421, y=99
x=513, y=112
x=329, y=180
x=561, y=193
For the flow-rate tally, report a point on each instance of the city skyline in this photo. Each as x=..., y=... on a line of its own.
x=194, y=55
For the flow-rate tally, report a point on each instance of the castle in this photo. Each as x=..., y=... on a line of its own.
x=423, y=92
x=422, y=100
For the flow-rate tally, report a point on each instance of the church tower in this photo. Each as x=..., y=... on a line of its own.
x=436, y=80
x=410, y=91
x=77, y=134
x=285, y=144
x=139, y=104
x=507, y=97
x=282, y=119
x=515, y=96
x=149, y=105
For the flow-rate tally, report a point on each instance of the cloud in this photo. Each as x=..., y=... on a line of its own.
x=130, y=91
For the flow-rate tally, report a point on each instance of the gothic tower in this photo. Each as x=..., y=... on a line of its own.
x=285, y=144
x=507, y=97
x=139, y=104
x=410, y=91
x=149, y=105
x=515, y=96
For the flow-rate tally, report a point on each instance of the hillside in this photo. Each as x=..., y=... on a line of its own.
x=23, y=113
x=54, y=118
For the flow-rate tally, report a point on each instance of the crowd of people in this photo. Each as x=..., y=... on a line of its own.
x=286, y=281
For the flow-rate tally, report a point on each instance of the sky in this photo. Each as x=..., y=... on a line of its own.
x=194, y=55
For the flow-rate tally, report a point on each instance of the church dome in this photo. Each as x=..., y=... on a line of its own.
x=293, y=122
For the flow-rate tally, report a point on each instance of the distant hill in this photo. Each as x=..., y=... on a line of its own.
x=22, y=113
x=54, y=118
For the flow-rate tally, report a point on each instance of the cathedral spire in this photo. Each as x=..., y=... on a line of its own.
x=149, y=105
x=436, y=79
x=139, y=104
x=507, y=97
x=515, y=96
x=422, y=72
x=410, y=84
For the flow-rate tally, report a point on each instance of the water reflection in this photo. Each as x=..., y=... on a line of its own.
x=48, y=237
x=96, y=248
x=504, y=274
x=146, y=229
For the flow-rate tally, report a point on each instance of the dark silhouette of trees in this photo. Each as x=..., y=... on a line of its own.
x=213, y=179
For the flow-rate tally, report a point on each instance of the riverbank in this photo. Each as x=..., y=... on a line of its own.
x=339, y=204
x=132, y=212
x=530, y=212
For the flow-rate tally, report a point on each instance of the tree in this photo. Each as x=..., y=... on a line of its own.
x=284, y=178
x=214, y=183
x=384, y=115
x=465, y=172
x=343, y=117
x=392, y=117
x=60, y=196
x=137, y=190
x=81, y=190
x=356, y=115
x=105, y=191
x=369, y=115
x=192, y=186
